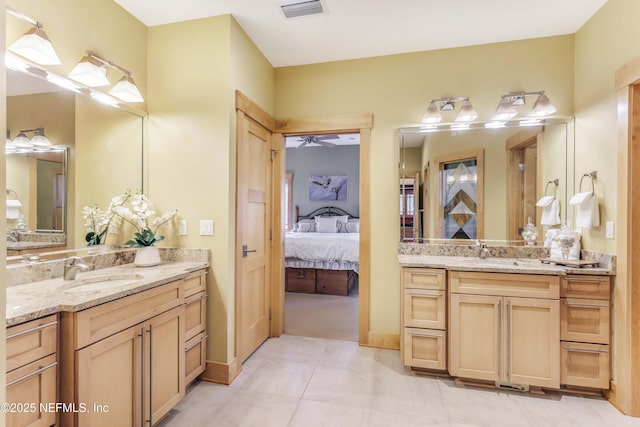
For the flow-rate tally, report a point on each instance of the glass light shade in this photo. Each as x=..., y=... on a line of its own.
x=35, y=45
x=22, y=141
x=90, y=72
x=432, y=115
x=126, y=90
x=542, y=107
x=8, y=143
x=505, y=111
x=467, y=113
x=40, y=140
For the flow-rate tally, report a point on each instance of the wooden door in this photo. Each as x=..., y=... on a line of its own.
x=475, y=336
x=253, y=255
x=109, y=373
x=164, y=350
x=532, y=347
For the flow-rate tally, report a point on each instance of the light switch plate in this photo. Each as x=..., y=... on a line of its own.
x=182, y=227
x=609, y=231
x=206, y=227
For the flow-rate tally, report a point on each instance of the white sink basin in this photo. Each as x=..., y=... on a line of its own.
x=97, y=283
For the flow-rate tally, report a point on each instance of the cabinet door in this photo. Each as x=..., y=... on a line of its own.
x=164, y=346
x=585, y=320
x=475, y=336
x=33, y=384
x=424, y=308
x=532, y=342
x=109, y=373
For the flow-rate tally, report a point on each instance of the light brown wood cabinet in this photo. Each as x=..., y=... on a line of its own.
x=32, y=373
x=424, y=337
x=124, y=360
x=195, y=319
x=585, y=331
x=505, y=328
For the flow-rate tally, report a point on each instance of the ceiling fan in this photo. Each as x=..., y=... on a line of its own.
x=317, y=139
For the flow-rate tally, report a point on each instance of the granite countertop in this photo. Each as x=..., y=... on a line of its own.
x=496, y=265
x=37, y=299
x=28, y=244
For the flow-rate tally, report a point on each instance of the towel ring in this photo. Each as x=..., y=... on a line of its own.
x=592, y=176
x=555, y=187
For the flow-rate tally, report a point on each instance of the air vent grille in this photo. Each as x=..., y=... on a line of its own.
x=304, y=8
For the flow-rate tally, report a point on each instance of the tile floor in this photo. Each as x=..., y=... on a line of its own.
x=299, y=381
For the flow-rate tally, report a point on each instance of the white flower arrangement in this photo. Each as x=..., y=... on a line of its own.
x=97, y=221
x=139, y=215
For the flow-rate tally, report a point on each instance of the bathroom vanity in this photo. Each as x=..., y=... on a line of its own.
x=512, y=323
x=116, y=345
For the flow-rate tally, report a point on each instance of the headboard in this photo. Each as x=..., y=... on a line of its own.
x=324, y=211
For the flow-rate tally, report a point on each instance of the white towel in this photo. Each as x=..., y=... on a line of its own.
x=587, y=211
x=550, y=210
x=13, y=209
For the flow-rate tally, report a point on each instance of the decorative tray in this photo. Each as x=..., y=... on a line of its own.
x=576, y=263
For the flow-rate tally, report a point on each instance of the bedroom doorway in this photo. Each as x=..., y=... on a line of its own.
x=322, y=217
x=345, y=293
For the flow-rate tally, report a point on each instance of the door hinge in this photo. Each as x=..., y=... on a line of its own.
x=273, y=154
x=269, y=313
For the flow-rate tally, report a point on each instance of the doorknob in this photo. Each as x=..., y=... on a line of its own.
x=245, y=251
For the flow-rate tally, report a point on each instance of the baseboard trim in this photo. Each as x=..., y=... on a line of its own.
x=383, y=340
x=221, y=373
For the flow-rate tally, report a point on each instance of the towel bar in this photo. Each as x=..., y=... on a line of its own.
x=593, y=175
x=555, y=186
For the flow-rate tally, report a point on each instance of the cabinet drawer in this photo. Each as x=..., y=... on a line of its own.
x=425, y=348
x=301, y=280
x=99, y=322
x=424, y=308
x=195, y=351
x=194, y=283
x=335, y=282
x=505, y=284
x=34, y=384
x=585, y=365
x=31, y=341
x=596, y=287
x=424, y=278
x=585, y=320
x=195, y=314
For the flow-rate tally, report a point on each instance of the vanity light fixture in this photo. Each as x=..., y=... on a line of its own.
x=39, y=139
x=92, y=71
x=34, y=44
x=506, y=111
x=467, y=112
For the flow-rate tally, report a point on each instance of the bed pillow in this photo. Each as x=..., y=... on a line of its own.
x=342, y=223
x=352, y=227
x=326, y=225
x=305, y=227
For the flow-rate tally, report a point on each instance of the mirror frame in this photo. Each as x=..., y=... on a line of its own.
x=569, y=172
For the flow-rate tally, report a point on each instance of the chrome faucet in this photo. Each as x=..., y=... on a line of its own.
x=483, y=251
x=13, y=236
x=71, y=267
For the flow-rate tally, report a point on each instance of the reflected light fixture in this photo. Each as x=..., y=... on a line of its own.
x=467, y=112
x=8, y=143
x=34, y=44
x=39, y=139
x=506, y=111
x=92, y=71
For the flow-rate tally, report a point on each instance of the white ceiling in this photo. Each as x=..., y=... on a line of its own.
x=365, y=28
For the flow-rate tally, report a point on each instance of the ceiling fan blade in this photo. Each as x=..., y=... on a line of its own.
x=328, y=137
x=302, y=145
x=325, y=144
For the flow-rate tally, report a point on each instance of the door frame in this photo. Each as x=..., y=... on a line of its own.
x=341, y=123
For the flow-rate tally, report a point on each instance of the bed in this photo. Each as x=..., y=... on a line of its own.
x=321, y=253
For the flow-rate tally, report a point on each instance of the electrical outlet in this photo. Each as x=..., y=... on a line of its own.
x=182, y=227
x=113, y=228
x=610, y=230
x=206, y=227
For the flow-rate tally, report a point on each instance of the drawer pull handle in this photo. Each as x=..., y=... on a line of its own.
x=571, y=279
x=585, y=350
x=577, y=304
x=36, y=328
x=419, y=334
x=195, y=300
x=31, y=374
x=420, y=294
x=425, y=273
x=199, y=341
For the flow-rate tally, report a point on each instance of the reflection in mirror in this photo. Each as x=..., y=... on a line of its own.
x=482, y=181
x=101, y=141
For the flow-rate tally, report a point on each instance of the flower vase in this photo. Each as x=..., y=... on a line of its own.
x=147, y=256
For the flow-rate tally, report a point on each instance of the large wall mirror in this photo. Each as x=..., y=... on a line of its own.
x=482, y=180
x=100, y=155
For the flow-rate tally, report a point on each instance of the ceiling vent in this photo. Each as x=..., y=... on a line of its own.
x=302, y=8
